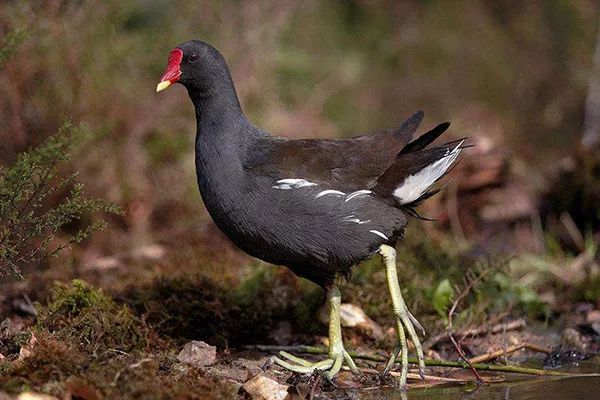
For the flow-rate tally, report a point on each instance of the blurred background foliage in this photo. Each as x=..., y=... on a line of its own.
x=512, y=76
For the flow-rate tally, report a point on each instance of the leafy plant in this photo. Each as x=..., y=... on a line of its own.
x=442, y=298
x=10, y=43
x=28, y=225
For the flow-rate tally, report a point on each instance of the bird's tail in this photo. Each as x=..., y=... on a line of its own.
x=416, y=168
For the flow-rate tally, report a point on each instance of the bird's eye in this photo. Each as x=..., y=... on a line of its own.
x=194, y=58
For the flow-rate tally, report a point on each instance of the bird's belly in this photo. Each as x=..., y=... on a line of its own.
x=315, y=237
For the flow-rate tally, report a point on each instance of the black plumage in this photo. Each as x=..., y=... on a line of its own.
x=317, y=206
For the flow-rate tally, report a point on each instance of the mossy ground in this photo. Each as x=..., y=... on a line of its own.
x=91, y=347
x=122, y=341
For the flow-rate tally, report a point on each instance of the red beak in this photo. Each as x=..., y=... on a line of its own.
x=173, y=71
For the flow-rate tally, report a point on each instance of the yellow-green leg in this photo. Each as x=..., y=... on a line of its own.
x=337, y=354
x=404, y=319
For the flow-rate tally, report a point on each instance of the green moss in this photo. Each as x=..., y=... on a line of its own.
x=85, y=317
x=11, y=342
x=69, y=300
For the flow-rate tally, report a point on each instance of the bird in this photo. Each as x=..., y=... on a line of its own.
x=316, y=206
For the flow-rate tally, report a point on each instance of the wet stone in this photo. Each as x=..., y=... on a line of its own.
x=562, y=357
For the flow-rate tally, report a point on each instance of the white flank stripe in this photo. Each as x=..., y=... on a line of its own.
x=357, y=193
x=378, y=234
x=326, y=192
x=415, y=185
x=352, y=218
x=287, y=184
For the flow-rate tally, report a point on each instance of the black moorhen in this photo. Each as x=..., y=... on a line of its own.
x=317, y=206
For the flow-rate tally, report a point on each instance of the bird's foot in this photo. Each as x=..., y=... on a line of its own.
x=405, y=321
x=331, y=365
x=337, y=353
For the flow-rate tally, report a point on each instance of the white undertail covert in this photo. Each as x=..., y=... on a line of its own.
x=414, y=186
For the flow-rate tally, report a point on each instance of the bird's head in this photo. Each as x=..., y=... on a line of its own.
x=193, y=64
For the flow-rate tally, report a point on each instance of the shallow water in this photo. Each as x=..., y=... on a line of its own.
x=517, y=388
x=581, y=388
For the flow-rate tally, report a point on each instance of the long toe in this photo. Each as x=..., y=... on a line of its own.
x=331, y=365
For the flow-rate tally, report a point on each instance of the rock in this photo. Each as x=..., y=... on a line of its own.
x=149, y=252
x=262, y=388
x=353, y=316
x=104, y=264
x=35, y=396
x=563, y=357
x=27, y=349
x=198, y=354
x=572, y=339
x=592, y=316
x=596, y=327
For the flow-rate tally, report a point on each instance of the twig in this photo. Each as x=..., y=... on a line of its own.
x=498, y=328
x=462, y=355
x=430, y=363
x=410, y=375
x=511, y=349
x=130, y=368
x=573, y=231
x=458, y=348
x=453, y=217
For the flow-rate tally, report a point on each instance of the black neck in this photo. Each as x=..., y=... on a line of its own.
x=215, y=108
x=219, y=116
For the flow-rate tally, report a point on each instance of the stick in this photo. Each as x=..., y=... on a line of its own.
x=502, y=352
x=503, y=327
x=450, y=330
x=410, y=375
x=462, y=355
x=430, y=363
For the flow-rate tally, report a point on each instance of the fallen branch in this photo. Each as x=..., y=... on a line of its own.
x=430, y=363
x=485, y=330
x=502, y=352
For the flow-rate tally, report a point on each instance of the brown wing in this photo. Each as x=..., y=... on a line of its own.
x=343, y=164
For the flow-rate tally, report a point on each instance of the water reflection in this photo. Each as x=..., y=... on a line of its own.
x=518, y=388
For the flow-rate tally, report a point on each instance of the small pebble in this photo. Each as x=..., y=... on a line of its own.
x=198, y=354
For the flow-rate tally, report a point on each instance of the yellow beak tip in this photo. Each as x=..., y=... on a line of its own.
x=162, y=86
